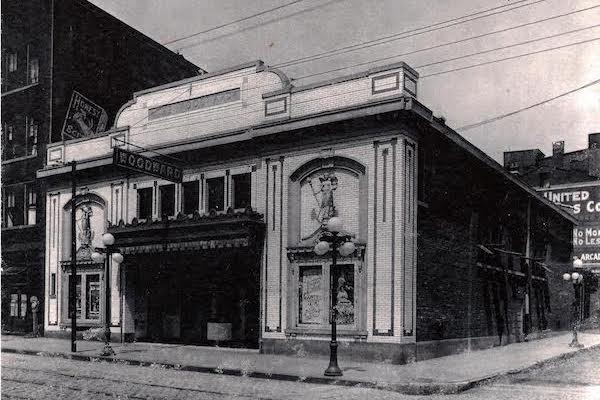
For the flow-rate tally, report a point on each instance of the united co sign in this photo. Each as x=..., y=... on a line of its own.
x=146, y=165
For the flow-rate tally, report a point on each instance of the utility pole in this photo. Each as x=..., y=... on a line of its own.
x=73, y=281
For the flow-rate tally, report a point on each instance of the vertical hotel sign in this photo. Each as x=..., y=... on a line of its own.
x=84, y=118
x=583, y=202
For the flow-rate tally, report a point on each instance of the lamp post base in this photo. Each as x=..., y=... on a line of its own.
x=575, y=343
x=107, y=351
x=333, y=369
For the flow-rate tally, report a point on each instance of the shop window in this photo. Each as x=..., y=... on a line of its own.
x=190, y=196
x=144, y=203
x=12, y=62
x=53, y=284
x=88, y=295
x=310, y=295
x=92, y=295
x=242, y=185
x=18, y=305
x=215, y=188
x=167, y=200
x=23, y=306
x=34, y=70
x=314, y=296
x=14, y=305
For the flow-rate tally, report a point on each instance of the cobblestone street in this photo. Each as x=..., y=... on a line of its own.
x=34, y=377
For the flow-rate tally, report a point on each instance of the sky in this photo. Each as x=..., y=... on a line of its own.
x=302, y=28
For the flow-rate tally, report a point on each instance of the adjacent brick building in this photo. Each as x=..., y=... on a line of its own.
x=450, y=247
x=572, y=181
x=51, y=50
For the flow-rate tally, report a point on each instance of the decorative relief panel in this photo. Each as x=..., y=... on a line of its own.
x=325, y=194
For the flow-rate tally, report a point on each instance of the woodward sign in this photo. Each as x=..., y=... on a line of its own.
x=146, y=165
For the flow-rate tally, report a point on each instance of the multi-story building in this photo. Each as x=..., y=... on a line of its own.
x=571, y=180
x=219, y=248
x=59, y=56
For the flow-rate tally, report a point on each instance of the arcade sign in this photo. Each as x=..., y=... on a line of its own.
x=146, y=165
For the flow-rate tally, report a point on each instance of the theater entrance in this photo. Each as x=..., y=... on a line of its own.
x=194, y=280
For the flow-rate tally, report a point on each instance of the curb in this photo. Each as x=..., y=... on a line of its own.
x=415, y=388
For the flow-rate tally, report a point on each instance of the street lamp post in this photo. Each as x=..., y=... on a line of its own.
x=333, y=239
x=577, y=279
x=108, y=240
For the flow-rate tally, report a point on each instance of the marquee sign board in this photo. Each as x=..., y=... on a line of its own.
x=146, y=165
x=583, y=202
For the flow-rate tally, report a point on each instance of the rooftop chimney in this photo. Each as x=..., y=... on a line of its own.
x=594, y=141
x=558, y=150
x=594, y=154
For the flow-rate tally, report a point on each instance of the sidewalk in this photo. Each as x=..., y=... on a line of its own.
x=450, y=374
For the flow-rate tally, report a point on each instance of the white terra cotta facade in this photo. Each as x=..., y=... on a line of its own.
x=365, y=173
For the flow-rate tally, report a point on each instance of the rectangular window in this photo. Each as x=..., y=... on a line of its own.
x=13, y=207
x=23, y=306
x=14, y=305
x=216, y=193
x=310, y=295
x=12, y=62
x=92, y=296
x=345, y=294
x=241, y=190
x=191, y=196
x=32, y=136
x=197, y=103
x=167, y=200
x=53, y=284
x=144, y=203
x=34, y=70
x=88, y=296
x=31, y=199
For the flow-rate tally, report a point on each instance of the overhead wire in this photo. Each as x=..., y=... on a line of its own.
x=509, y=114
x=447, y=43
x=214, y=28
x=429, y=48
x=405, y=34
x=238, y=115
x=259, y=103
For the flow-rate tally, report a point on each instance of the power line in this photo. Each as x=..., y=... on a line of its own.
x=405, y=34
x=510, y=58
x=507, y=46
x=258, y=25
x=238, y=115
x=232, y=22
x=217, y=110
x=499, y=117
x=436, y=46
x=447, y=43
x=423, y=65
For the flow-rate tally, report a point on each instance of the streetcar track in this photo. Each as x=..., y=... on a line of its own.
x=98, y=378
x=76, y=389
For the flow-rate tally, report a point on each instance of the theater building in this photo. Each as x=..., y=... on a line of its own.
x=449, y=245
